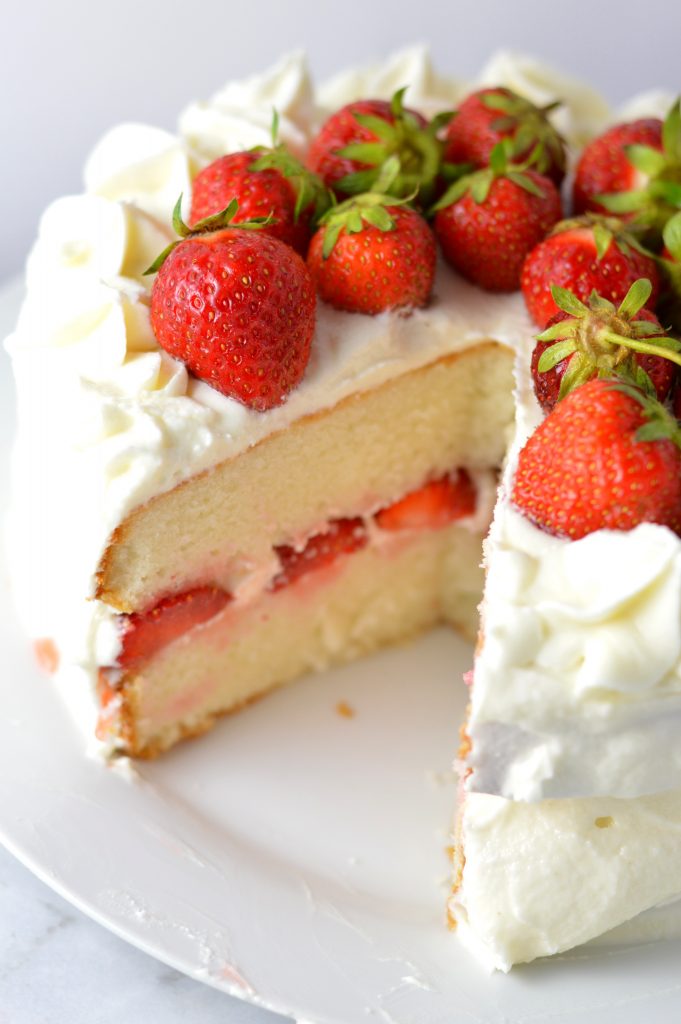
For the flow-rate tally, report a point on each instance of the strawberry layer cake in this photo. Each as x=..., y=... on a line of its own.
x=257, y=440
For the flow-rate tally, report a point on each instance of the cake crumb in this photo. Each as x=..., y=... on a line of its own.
x=344, y=709
x=605, y=822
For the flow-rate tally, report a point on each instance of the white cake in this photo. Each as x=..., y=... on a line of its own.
x=572, y=796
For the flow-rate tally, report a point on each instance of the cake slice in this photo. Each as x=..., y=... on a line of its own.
x=568, y=819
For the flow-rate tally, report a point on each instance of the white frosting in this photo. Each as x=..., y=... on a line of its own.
x=586, y=637
x=239, y=116
x=427, y=91
x=655, y=103
x=542, y=878
x=576, y=695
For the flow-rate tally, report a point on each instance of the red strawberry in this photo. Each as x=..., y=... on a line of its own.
x=355, y=142
x=146, y=633
x=607, y=457
x=342, y=537
x=265, y=183
x=369, y=256
x=583, y=255
x=488, y=116
x=634, y=170
x=437, y=504
x=605, y=166
x=488, y=222
x=584, y=341
x=237, y=307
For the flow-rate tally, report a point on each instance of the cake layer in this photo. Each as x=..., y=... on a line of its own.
x=382, y=594
x=364, y=453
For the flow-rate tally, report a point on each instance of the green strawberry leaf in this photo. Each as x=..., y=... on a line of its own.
x=636, y=298
x=397, y=102
x=550, y=357
x=644, y=329
x=388, y=174
x=480, y=185
x=579, y=371
x=563, y=329
x=646, y=159
x=653, y=430
x=599, y=304
x=381, y=128
x=357, y=182
x=668, y=191
x=379, y=217
x=525, y=182
x=498, y=158
x=365, y=152
x=506, y=101
x=331, y=235
x=161, y=258
x=671, y=235
x=671, y=133
x=441, y=121
x=603, y=236
x=568, y=301
x=623, y=202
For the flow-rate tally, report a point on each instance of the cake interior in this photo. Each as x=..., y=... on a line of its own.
x=229, y=530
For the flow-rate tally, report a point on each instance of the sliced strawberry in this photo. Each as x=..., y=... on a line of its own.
x=146, y=633
x=342, y=537
x=438, y=504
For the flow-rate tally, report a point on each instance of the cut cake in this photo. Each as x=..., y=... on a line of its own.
x=138, y=489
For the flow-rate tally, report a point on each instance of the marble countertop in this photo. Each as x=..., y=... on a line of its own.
x=59, y=967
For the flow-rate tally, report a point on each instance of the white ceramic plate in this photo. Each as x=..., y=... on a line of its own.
x=293, y=857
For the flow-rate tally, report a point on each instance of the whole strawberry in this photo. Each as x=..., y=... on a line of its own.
x=489, y=116
x=606, y=166
x=634, y=171
x=236, y=306
x=371, y=254
x=265, y=184
x=355, y=142
x=583, y=255
x=607, y=457
x=488, y=221
x=598, y=340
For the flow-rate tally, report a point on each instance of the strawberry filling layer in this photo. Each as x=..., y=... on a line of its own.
x=435, y=505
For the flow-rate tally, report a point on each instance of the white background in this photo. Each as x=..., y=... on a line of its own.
x=72, y=68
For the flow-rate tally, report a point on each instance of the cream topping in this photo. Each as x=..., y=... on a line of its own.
x=542, y=878
x=585, y=636
x=427, y=91
x=239, y=116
